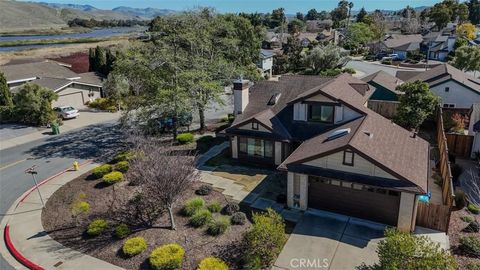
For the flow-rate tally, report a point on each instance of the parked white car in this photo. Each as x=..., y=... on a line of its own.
x=66, y=112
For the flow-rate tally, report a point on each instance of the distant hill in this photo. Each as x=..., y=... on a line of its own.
x=143, y=12
x=19, y=16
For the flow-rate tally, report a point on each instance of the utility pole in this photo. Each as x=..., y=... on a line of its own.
x=33, y=172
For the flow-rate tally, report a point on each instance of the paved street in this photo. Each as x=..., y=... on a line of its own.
x=52, y=155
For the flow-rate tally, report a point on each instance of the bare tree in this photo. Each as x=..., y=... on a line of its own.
x=471, y=186
x=161, y=174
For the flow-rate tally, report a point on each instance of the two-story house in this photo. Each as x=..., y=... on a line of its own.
x=339, y=155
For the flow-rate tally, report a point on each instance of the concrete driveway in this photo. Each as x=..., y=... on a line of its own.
x=324, y=240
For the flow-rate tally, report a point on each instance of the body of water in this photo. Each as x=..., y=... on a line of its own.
x=95, y=33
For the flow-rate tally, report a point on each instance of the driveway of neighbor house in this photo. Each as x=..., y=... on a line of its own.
x=324, y=240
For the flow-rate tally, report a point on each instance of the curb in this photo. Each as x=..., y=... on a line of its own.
x=8, y=242
x=44, y=181
x=16, y=254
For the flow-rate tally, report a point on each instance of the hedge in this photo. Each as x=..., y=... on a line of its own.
x=134, y=246
x=112, y=178
x=101, y=170
x=167, y=257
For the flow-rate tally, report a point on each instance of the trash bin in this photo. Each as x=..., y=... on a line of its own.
x=55, y=129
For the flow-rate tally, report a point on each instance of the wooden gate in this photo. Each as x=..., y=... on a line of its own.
x=387, y=109
x=433, y=216
x=459, y=145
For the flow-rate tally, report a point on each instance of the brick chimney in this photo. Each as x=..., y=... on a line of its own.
x=240, y=95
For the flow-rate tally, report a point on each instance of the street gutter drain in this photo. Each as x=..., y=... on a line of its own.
x=57, y=264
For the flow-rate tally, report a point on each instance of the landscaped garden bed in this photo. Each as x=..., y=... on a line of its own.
x=113, y=214
x=459, y=221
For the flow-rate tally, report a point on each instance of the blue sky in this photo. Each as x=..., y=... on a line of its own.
x=291, y=6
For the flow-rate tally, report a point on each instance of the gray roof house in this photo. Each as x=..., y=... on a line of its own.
x=265, y=62
x=73, y=89
x=338, y=155
x=401, y=44
x=438, y=44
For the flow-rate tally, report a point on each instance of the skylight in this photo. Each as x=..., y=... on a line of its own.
x=338, y=133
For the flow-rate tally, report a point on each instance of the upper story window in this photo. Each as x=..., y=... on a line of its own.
x=348, y=157
x=321, y=113
x=254, y=125
x=447, y=89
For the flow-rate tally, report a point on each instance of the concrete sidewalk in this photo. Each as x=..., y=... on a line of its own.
x=31, y=240
x=85, y=119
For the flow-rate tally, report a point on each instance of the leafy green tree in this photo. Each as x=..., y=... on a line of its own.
x=406, y=251
x=322, y=58
x=100, y=59
x=467, y=58
x=312, y=14
x=467, y=30
x=358, y=34
x=33, y=105
x=416, y=104
x=462, y=12
x=361, y=15
x=278, y=17
x=340, y=13
x=295, y=26
x=474, y=11
x=441, y=15
x=293, y=50
x=408, y=12
x=92, y=60
x=5, y=94
x=299, y=16
x=117, y=88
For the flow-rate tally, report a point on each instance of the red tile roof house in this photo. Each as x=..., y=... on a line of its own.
x=339, y=155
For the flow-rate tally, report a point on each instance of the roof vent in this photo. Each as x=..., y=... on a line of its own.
x=338, y=133
x=274, y=99
x=368, y=133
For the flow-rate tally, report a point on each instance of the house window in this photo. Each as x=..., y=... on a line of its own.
x=348, y=157
x=321, y=113
x=256, y=147
x=449, y=105
x=255, y=125
x=447, y=89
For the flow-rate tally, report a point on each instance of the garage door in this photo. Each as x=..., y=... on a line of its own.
x=365, y=202
x=70, y=99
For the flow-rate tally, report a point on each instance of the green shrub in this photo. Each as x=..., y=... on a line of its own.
x=330, y=72
x=80, y=207
x=387, y=62
x=238, y=218
x=212, y=263
x=214, y=207
x=400, y=250
x=200, y=218
x=460, y=201
x=473, y=227
x=252, y=262
x=218, y=226
x=266, y=238
x=123, y=156
x=101, y=170
x=184, y=138
x=134, y=246
x=231, y=208
x=467, y=219
x=473, y=266
x=167, y=257
x=474, y=209
x=112, y=178
x=349, y=70
x=102, y=104
x=470, y=245
x=97, y=227
x=192, y=206
x=204, y=190
x=122, y=166
x=122, y=231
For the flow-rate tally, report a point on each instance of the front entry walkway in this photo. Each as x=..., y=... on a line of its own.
x=324, y=240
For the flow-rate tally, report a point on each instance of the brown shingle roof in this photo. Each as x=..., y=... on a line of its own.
x=37, y=70
x=406, y=75
x=397, y=41
x=445, y=72
x=384, y=79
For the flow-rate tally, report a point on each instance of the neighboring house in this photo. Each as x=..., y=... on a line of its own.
x=456, y=89
x=438, y=44
x=275, y=40
x=339, y=155
x=385, y=86
x=401, y=44
x=307, y=38
x=316, y=26
x=73, y=89
x=265, y=63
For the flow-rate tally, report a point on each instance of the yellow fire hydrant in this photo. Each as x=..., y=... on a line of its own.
x=75, y=166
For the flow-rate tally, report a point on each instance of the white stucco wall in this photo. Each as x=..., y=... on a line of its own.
x=278, y=153
x=240, y=100
x=303, y=178
x=249, y=127
x=406, y=211
x=361, y=165
x=300, y=111
x=234, y=147
x=459, y=95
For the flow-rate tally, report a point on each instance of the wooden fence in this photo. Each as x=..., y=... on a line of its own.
x=459, y=145
x=433, y=216
x=444, y=164
x=387, y=109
